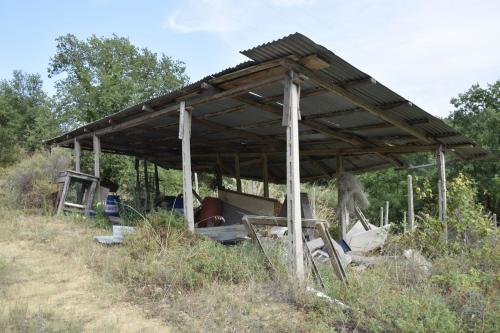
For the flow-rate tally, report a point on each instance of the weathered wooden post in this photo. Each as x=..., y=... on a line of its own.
x=342, y=206
x=237, y=171
x=137, y=184
x=187, y=180
x=78, y=153
x=157, y=183
x=411, y=216
x=265, y=175
x=386, y=212
x=440, y=161
x=147, y=201
x=97, y=166
x=494, y=220
x=294, y=220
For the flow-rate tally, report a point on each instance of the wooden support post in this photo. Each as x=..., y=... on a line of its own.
x=97, y=165
x=137, y=184
x=78, y=153
x=495, y=220
x=442, y=190
x=386, y=212
x=411, y=216
x=147, y=201
x=265, y=175
x=237, y=172
x=157, y=184
x=382, y=216
x=218, y=171
x=294, y=223
x=342, y=206
x=187, y=180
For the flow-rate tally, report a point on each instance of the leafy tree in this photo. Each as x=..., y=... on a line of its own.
x=477, y=115
x=100, y=76
x=26, y=118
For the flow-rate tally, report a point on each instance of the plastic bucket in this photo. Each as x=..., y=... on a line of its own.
x=111, y=207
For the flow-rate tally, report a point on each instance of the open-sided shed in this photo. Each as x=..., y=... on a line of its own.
x=295, y=111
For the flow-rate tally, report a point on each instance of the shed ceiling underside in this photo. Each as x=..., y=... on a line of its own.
x=249, y=123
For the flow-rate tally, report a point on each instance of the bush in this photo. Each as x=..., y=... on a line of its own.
x=32, y=182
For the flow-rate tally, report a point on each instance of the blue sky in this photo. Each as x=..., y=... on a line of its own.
x=427, y=51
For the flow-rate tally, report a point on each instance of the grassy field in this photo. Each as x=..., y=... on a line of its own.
x=55, y=278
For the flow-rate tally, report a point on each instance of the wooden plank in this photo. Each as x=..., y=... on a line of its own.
x=256, y=240
x=282, y=221
x=314, y=62
x=291, y=111
x=186, y=167
x=173, y=108
x=251, y=203
x=361, y=217
x=336, y=264
x=74, y=205
x=312, y=264
x=78, y=153
x=64, y=192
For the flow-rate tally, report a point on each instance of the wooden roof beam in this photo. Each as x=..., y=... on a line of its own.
x=341, y=91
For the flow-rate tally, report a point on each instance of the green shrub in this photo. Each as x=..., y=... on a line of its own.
x=31, y=183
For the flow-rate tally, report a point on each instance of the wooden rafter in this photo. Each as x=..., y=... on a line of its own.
x=339, y=90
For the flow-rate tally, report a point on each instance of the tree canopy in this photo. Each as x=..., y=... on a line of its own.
x=26, y=118
x=477, y=115
x=99, y=76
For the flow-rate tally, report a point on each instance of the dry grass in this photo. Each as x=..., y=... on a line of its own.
x=105, y=287
x=185, y=284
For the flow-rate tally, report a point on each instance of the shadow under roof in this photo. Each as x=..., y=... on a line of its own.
x=238, y=111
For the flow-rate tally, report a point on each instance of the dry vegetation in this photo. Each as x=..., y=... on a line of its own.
x=55, y=278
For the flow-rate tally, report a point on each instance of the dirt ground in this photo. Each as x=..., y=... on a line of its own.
x=45, y=279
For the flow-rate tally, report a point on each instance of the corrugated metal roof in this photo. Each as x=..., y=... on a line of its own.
x=237, y=131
